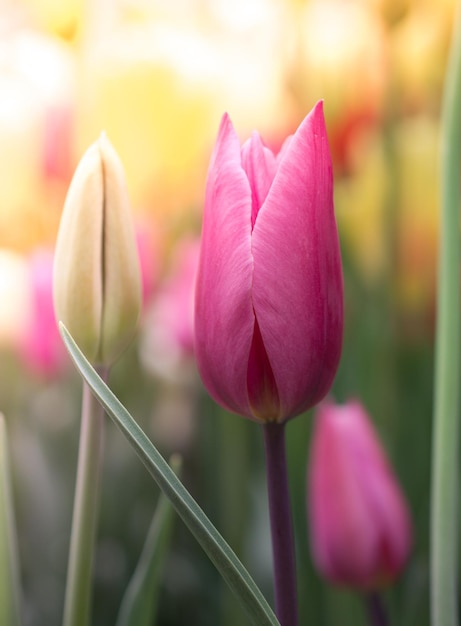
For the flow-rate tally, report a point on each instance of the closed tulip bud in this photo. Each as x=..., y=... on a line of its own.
x=359, y=523
x=269, y=295
x=96, y=279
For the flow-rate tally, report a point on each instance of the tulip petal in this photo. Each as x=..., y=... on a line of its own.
x=79, y=235
x=262, y=391
x=260, y=167
x=122, y=274
x=297, y=279
x=384, y=501
x=224, y=313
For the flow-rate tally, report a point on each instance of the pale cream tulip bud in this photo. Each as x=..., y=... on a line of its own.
x=96, y=282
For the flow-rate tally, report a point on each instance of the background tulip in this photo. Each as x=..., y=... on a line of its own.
x=40, y=345
x=168, y=330
x=269, y=301
x=359, y=522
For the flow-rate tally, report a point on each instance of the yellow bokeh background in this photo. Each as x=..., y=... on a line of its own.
x=157, y=77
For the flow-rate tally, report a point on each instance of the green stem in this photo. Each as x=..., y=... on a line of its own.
x=79, y=572
x=10, y=587
x=444, y=519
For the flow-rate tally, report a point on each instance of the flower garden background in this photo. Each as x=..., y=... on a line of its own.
x=157, y=77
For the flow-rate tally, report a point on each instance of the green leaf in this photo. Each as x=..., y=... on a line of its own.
x=215, y=546
x=9, y=568
x=139, y=604
x=444, y=553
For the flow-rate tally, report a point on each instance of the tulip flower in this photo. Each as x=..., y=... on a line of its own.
x=269, y=296
x=96, y=284
x=97, y=294
x=359, y=522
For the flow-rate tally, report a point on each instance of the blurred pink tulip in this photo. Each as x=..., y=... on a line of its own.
x=168, y=338
x=57, y=143
x=148, y=254
x=359, y=522
x=41, y=346
x=269, y=298
x=179, y=293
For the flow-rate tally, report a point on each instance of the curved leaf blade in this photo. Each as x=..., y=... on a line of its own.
x=215, y=546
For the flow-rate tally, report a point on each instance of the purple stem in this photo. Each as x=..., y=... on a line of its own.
x=376, y=610
x=286, y=606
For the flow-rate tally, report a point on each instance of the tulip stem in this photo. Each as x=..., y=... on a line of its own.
x=376, y=611
x=285, y=593
x=79, y=572
x=445, y=466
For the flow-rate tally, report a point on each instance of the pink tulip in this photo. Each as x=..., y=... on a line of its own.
x=148, y=254
x=40, y=346
x=175, y=303
x=168, y=338
x=57, y=156
x=269, y=298
x=359, y=522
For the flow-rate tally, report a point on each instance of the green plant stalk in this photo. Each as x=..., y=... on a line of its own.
x=85, y=514
x=10, y=591
x=217, y=549
x=445, y=466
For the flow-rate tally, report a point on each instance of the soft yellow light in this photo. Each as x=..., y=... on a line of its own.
x=15, y=297
x=159, y=88
x=36, y=84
